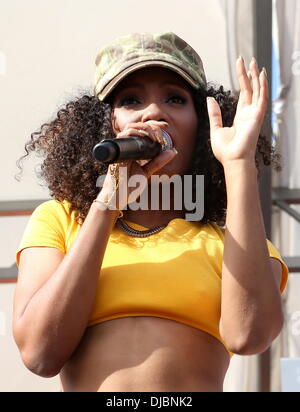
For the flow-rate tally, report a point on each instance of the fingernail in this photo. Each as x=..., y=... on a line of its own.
x=241, y=58
x=265, y=71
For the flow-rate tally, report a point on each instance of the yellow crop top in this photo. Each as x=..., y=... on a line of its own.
x=174, y=274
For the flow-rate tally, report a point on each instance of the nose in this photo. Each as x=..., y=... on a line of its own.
x=154, y=112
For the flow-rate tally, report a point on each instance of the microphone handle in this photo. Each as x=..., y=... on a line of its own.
x=129, y=148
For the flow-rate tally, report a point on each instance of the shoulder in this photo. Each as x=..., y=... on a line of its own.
x=54, y=212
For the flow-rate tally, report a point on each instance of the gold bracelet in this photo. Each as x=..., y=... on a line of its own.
x=114, y=171
x=103, y=203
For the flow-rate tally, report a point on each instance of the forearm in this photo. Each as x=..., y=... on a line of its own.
x=249, y=292
x=58, y=313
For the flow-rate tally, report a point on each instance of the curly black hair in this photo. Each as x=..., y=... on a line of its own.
x=71, y=172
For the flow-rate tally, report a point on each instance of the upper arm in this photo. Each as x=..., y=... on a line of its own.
x=37, y=265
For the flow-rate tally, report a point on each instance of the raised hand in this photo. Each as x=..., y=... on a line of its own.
x=239, y=141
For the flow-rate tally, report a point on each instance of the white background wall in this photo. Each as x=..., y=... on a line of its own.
x=50, y=48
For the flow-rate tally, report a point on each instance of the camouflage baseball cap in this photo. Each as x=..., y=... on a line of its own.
x=139, y=50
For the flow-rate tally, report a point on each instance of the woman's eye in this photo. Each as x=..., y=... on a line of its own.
x=177, y=99
x=131, y=100
x=126, y=101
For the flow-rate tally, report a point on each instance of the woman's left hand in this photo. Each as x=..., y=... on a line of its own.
x=239, y=141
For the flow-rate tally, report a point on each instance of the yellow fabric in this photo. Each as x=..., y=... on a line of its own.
x=174, y=274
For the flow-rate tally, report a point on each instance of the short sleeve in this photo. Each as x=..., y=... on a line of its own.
x=273, y=252
x=44, y=228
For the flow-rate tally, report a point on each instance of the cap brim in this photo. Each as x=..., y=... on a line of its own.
x=117, y=79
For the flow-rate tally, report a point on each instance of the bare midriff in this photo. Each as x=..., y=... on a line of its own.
x=145, y=354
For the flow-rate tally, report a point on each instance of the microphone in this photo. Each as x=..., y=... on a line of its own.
x=130, y=148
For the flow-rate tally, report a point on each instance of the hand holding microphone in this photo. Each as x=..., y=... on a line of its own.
x=133, y=147
x=112, y=187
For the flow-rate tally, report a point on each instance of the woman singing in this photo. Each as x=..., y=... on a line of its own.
x=116, y=298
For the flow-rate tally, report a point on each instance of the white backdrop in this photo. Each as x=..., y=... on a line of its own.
x=48, y=50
